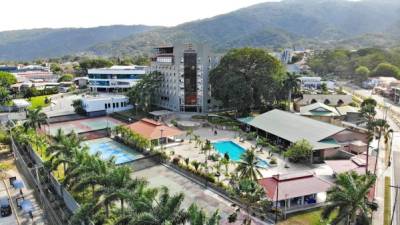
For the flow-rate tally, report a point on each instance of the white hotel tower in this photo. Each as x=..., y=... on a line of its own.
x=185, y=69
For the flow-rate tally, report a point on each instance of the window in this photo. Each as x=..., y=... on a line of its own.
x=105, y=105
x=117, y=105
x=109, y=105
x=113, y=105
x=122, y=104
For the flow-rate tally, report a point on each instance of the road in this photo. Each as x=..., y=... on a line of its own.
x=394, y=121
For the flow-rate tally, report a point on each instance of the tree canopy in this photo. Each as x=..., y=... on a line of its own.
x=345, y=63
x=7, y=79
x=386, y=70
x=142, y=94
x=247, y=79
x=66, y=77
x=300, y=150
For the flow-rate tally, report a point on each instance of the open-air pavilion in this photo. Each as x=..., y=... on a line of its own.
x=154, y=131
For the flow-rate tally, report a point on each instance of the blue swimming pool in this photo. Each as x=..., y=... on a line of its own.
x=109, y=148
x=234, y=151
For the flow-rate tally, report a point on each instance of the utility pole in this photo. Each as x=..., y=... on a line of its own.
x=395, y=202
x=277, y=200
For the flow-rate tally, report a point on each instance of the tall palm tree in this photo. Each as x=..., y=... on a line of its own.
x=35, y=119
x=116, y=185
x=64, y=150
x=164, y=209
x=291, y=85
x=248, y=166
x=349, y=198
x=382, y=127
x=197, y=216
x=368, y=112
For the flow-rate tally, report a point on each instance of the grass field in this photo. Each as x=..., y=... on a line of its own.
x=387, y=205
x=38, y=101
x=306, y=218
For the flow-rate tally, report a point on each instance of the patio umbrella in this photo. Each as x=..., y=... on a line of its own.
x=26, y=206
x=18, y=184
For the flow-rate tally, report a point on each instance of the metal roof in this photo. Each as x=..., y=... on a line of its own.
x=292, y=127
x=318, y=109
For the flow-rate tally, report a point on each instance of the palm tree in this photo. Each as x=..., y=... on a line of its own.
x=248, y=166
x=196, y=165
x=225, y=162
x=115, y=185
x=291, y=85
x=164, y=209
x=189, y=133
x=382, y=127
x=368, y=112
x=35, y=119
x=4, y=96
x=63, y=151
x=197, y=216
x=349, y=198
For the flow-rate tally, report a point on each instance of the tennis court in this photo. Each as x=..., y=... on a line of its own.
x=84, y=125
x=109, y=148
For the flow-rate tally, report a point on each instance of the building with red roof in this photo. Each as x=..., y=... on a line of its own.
x=154, y=131
x=295, y=190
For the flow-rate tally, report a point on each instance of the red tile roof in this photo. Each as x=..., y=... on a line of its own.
x=293, y=185
x=356, y=163
x=152, y=129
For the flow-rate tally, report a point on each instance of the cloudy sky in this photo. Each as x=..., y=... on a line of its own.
x=26, y=14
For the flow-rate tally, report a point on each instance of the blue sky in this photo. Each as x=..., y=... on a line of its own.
x=27, y=14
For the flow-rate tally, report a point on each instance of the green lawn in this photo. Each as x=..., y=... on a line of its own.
x=37, y=101
x=307, y=218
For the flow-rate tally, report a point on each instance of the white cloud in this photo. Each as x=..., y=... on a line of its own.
x=26, y=14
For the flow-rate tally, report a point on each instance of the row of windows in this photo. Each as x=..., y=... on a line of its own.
x=115, y=105
x=117, y=76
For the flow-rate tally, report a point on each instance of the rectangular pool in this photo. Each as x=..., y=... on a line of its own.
x=109, y=148
x=234, y=151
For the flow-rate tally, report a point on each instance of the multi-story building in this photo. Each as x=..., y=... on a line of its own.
x=185, y=69
x=115, y=78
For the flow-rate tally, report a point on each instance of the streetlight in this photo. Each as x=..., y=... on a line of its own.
x=162, y=130
x=395, y=202
x=277, y=199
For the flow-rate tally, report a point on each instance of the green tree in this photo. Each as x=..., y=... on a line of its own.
x=247, y=79
x=252, y=195
x=291, y=86
x=248, y=166
x=78, y=107
x=86, y=64
x=66, y=78
x=324, y=88
x=142, y=95
x=348, y=200
x=7, y=79
x=300, y=150
x=56, y=68
x=362, y=74
x=386, y=70
x=35, y=119
x=197, y=216
x=4, y=96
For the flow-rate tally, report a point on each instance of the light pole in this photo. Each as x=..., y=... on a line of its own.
x=395, y=202
x=277, y=199
x=161, y=145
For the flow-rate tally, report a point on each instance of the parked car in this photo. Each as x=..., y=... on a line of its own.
x=5, y=208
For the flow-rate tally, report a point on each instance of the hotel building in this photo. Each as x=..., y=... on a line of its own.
x=115, y=78
x=185, y=69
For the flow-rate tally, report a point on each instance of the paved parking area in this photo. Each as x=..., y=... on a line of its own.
x=194, y=193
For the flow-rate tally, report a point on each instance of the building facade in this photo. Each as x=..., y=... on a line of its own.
x=185, y=69
x=103, y=105
x=115, y=78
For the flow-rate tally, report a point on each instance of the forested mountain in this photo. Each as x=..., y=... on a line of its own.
x=42, y=43
x=306, y=23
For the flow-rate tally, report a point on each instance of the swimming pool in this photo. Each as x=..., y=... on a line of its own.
x=234, y=151
x=109, y=148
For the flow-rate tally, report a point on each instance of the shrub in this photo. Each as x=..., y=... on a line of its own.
x=301, y=150
x=78, y=107
x=273, y=161
x=176, y=160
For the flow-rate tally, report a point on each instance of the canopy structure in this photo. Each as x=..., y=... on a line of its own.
x=153, y=130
